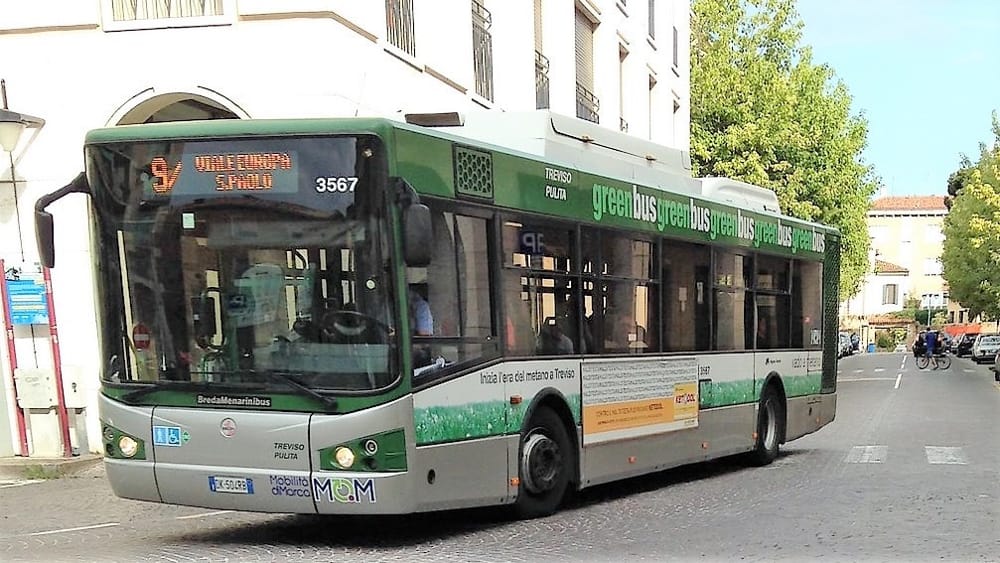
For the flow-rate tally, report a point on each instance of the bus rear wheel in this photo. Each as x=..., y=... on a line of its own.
x=544, y=465
x=770, y=425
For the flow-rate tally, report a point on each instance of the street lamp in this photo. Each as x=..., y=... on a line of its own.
x=12, y=124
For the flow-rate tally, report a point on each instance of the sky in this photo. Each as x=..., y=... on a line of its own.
x=924, y=73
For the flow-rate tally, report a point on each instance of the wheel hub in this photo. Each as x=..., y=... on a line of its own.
x=541, y=462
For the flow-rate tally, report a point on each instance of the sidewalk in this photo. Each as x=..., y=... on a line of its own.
x=14, y=468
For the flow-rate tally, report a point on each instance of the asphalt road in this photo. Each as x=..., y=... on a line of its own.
x=909, y=471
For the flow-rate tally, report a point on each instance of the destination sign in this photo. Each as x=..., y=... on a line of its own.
x=207, y=172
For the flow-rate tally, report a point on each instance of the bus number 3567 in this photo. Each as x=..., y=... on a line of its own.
x=335, y=184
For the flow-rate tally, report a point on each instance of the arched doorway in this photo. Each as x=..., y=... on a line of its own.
x=150, y=106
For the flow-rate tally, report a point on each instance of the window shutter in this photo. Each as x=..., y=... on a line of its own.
x=584, y=51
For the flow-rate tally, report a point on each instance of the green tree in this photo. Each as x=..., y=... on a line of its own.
x=764, y=113
x=986, y=166
x=971, y=254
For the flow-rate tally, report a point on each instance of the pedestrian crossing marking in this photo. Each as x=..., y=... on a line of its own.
x=937, y=455
x=867, y=454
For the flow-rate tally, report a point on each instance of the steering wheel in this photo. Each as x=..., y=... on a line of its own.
x=352, y=327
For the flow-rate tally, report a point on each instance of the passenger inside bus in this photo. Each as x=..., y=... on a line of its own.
x=553, y=340
x=421, y=324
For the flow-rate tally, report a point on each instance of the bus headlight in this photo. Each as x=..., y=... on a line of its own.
x=127, y=446
x=344, y=457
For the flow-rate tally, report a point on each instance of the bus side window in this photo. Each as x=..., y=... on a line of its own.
x=457, y=285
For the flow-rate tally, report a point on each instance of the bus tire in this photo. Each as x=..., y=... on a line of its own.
x=544, y=465
x=770, y=427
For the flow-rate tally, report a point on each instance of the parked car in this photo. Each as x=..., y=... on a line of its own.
x=953, y=345
x=985, y=348
x=845, y=348
x=964, y=346
x=995, y=368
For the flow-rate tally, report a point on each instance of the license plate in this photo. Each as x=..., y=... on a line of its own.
x=234, y=485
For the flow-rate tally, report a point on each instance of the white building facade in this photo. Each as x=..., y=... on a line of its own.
x=84, y=64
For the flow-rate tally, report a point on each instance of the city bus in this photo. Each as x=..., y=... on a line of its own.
x=386, y=316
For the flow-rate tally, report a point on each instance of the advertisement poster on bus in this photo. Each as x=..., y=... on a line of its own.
x=631, y=398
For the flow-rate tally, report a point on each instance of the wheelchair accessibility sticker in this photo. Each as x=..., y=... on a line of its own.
x=171, y=436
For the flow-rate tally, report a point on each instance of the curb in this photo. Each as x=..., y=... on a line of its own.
x=46, y=468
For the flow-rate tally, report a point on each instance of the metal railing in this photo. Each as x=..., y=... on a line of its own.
x=623, y=125
x=482, y=49
x=399, y=25
x=126, y=10
x=541, y=81
x=587, y=104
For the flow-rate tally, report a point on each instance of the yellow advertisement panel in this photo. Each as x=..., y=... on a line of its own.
x=629, y=398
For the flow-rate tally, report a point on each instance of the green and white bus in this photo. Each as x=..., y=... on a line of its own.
x=369, y=316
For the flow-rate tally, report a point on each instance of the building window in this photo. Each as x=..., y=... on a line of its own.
x=541, y=63
x=541, y=81
x=159, y=9
x=890, y=294
x=951, y=317
x=482, y=49
x=652, y=19
x=587, y=104
x=147, y=14
x=399, y=25
x=676, y=54
x=932, y=267
x=622, y=122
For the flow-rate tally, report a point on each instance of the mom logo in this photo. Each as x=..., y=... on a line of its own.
x=342, y=490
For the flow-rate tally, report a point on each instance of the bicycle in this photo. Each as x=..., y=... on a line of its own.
x=941, y=361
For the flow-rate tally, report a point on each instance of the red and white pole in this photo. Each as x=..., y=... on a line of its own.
x=57, y=363
x=22, y=432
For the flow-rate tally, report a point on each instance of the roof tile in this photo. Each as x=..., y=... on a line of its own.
x=909, y=202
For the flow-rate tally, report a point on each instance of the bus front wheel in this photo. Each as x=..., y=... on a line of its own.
x=544, y=465
x=770, y=423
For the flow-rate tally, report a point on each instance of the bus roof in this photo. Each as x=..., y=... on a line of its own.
x=538, y=135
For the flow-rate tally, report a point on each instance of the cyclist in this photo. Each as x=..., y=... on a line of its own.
x=930, y=341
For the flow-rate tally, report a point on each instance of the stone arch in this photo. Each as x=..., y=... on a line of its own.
x=181, y=104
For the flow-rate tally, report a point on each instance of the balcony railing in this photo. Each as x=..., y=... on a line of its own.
x=482, y=49
x=399, y=25
x=623, y=125
x=541, y=81
x=587, y=104
x=125, y=10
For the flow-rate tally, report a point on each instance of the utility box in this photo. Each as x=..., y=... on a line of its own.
x=36, y=388
x=72, y=376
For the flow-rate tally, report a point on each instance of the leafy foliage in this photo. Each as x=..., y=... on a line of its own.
x=764, y=113
x=986, y=166
x=971, y=257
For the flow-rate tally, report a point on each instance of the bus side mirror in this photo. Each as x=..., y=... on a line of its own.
x=44, y=231
x=417, y=235
x=45, y=235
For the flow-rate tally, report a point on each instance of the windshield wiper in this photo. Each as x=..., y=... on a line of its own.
x=132, y=396
x=288, y=378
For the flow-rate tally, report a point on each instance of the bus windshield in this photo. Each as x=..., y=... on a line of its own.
x=245, y=263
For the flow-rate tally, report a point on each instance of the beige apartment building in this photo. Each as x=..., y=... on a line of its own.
x=83, y=64
x=907, y=240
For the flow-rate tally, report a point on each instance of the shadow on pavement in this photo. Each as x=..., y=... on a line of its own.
x=424, y=528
